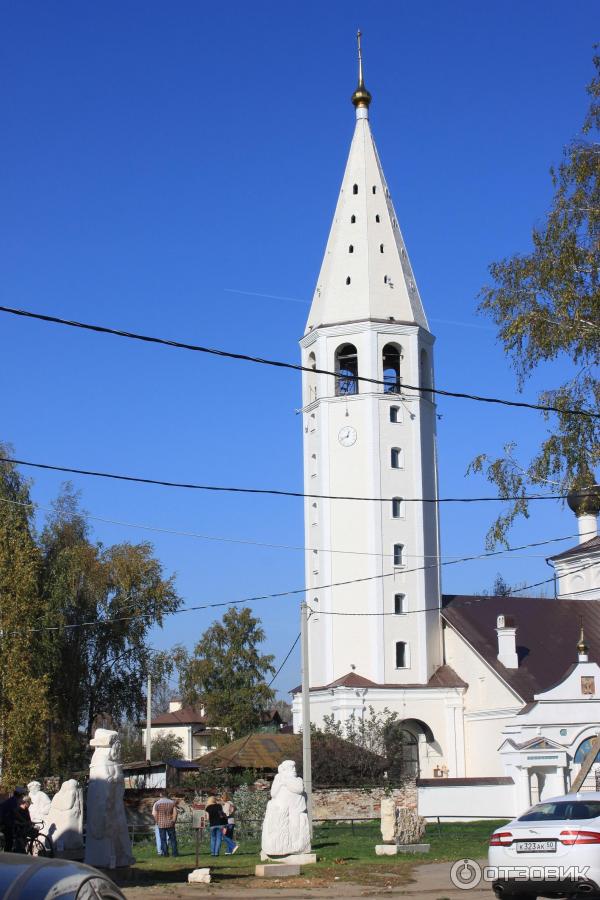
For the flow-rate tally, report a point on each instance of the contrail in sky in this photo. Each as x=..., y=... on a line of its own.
x=307, y=303
x=269, y=296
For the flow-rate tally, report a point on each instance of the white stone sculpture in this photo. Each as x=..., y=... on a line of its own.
x=388, y=820
x=40, y=803
x=64, y=822
x=107, y=841
x=285, y=829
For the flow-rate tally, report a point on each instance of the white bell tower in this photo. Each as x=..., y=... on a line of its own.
x=371, y=441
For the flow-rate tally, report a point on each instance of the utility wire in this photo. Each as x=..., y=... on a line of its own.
x=526, y=587
x=70, y=470
x=288, y=654
x=180, y=345
x=279, y=595
x=246, y=542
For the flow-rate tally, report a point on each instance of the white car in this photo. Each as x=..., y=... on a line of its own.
x=552, y=850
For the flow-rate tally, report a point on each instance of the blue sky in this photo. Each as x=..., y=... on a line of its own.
x=173, y=169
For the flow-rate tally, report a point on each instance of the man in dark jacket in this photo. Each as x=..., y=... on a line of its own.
x=8, y=809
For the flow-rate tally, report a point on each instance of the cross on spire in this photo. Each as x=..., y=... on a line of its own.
x=361, y=97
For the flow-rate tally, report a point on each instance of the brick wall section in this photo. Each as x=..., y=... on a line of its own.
x=328, y=803
x=359, y=803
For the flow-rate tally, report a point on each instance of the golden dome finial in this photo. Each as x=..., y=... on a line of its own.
x=361, y=97
x=582, y=647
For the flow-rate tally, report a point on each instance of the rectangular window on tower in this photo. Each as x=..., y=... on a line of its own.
x=398, y=554
x=397, y=508
x=397, y=458
x=399, y=604
x=401, y=655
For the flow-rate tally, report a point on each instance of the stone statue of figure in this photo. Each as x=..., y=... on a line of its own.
x=285, y=829
x=40, y=802
x=64, y=823
x=107, y=841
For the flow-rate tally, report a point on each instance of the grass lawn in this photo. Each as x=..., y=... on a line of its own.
x=343, y=854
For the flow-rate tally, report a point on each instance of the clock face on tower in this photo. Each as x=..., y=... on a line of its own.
x=347, y=436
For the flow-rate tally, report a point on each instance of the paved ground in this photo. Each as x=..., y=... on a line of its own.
x=431, y=881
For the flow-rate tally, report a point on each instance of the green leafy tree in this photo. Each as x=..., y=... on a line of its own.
x=284, y=709
x=105, y=600
x=167, y=746
x=367, y=731
x=23, y=684
x=164, y=745
x=361, y=750
x=546, y=305
x=228, y=671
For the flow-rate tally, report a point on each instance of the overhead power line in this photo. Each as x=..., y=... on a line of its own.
x=247, y=542
x=245, y=357
x=70, y=470
x=271, y=546
x=287, y=656
x=526, y=587
x=280, y=594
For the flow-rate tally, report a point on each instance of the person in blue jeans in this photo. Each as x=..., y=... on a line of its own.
x=164, y=813
x=217, y=822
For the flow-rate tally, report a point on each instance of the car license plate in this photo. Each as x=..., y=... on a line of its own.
x=535, y=846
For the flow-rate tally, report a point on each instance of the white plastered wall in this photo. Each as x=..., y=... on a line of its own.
x=489, y=705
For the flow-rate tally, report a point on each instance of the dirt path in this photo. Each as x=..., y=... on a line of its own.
x=430, y=881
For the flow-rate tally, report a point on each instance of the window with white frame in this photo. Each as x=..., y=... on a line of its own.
x=395, y=414
x=398, y=554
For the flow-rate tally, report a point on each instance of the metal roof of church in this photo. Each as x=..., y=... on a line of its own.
x=580, y=549
x=547, y=634
x=443, y=677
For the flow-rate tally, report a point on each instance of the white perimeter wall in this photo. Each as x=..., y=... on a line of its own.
x=482, y=801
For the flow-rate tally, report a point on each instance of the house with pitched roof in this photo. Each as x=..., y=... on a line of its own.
x=190, y=724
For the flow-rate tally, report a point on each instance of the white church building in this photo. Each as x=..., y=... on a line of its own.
x=498, y=699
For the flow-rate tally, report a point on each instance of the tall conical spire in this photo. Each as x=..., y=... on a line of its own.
x=366, y=273
x=361, y=98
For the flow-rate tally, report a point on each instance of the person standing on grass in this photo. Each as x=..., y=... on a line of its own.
x=164, y=813
x=229, y=810
x=217, y=821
